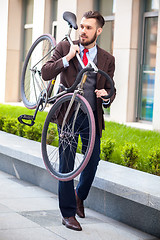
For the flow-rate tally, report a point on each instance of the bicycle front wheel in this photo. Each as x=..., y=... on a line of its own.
x=67, y=143
x=32, y=84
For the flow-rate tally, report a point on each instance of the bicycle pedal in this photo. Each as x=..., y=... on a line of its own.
x=28, y=118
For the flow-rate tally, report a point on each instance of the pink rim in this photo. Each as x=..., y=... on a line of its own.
x=91, y=143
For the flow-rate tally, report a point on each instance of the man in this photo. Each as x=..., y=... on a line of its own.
x=65, y=62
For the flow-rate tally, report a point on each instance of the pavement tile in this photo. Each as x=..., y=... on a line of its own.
x=21, y=189
x=4, y=209
x=14, y=221
x=45, y=218
x=30, y=204
x=29, y=234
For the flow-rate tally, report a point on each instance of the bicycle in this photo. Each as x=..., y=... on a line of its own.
x=60, y=136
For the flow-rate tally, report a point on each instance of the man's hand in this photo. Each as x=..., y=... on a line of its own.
x=72, y=52
x=101, y=93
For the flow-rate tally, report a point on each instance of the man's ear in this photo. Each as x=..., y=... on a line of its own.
x=99, y=31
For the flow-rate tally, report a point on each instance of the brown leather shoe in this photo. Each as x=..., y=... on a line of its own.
x=80, y=207
x=72, y=223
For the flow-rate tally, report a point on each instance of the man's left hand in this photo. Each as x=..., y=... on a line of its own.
x=101, y=93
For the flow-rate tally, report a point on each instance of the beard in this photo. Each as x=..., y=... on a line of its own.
x=86, y=43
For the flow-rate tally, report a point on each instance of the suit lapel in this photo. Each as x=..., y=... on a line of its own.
x=75, y=60
x=101, y=61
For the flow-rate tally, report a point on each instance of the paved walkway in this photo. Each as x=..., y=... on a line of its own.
x=29, y=212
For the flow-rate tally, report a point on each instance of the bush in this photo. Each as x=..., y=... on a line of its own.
x=107, y=147
x=2, y=120
x=154, y=161
x=9, y=126
x=51, y=136
x=117, y=158
x=20, y=129
x=33, y=133
x=130, y=154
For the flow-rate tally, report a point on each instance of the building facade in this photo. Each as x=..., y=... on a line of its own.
x=131, y=33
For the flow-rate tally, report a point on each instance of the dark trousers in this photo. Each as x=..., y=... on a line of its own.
x=67, y=200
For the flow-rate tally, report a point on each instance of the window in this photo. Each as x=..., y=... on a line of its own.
x=107, y=9
x=151, y=5
x=148, y=60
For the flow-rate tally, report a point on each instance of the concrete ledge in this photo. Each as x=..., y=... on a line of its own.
x=127, y=195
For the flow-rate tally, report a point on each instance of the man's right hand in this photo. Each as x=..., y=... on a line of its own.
x=72, y=52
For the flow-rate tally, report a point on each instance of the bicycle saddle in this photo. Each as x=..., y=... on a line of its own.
x=71, y=19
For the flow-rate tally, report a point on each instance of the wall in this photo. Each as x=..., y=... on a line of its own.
x=3, y=46
x=125, y=52
x=13, y=51
x=38, y=18
x=82, y=7
x=62, y=27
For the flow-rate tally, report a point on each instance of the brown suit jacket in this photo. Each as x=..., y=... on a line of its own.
x=105, y=62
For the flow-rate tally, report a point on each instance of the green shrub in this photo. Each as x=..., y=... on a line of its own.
x=52, y=135
x=130, y=154
x=20, y=129
x=33, y=133
x=107, y=148
x=2, y=120
x=154, y=161
x=9, y=125
x=142, y=164
x=117, y=158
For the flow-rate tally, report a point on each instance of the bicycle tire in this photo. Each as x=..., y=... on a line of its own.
x=66, y=140
x=32, y=84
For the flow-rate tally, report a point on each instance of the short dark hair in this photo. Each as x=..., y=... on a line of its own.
x=95, y=14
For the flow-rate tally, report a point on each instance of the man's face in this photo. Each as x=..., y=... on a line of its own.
x=89, y=32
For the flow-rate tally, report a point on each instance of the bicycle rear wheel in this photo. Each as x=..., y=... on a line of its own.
x=67, y=151
x=32, y=84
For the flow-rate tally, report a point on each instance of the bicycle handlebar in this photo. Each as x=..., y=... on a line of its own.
x=110, y=81
x=78, y=78
x=90, y=69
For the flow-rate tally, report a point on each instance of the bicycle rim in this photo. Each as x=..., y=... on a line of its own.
x=32, y=84
x=67, y=151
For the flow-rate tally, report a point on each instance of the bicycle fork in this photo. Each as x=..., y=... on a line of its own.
x=68, y=110
x=80, y=90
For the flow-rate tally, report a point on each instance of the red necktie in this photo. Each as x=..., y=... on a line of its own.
x=85, y=59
